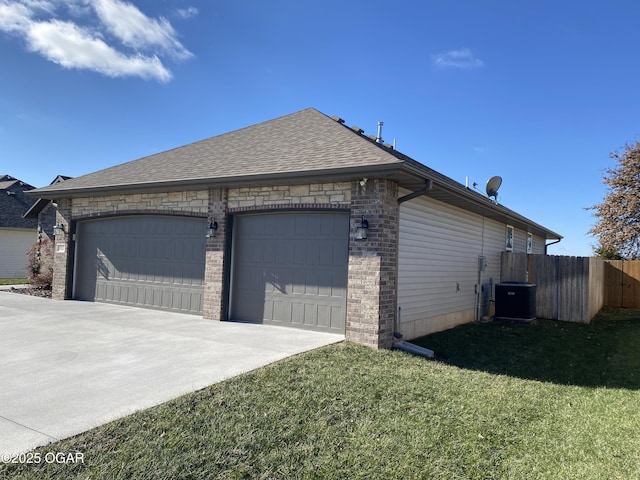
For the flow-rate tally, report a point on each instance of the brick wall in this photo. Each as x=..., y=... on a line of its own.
x=373, y=264
x=214, y=273
x=61, y=252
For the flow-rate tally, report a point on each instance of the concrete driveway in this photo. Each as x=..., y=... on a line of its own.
x=66, y=367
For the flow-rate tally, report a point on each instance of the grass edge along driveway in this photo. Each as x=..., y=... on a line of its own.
x=546, y=400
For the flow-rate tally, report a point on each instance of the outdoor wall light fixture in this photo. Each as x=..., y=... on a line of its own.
x=58, y=229
x=361, y=229
x=211, y=229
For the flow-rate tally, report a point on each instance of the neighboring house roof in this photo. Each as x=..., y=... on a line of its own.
x=41, y=203
x=302, y=146
x=14, y=203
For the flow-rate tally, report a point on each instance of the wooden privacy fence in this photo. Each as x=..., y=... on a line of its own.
x=574, y=289
x=567, y=288
x=622, y=283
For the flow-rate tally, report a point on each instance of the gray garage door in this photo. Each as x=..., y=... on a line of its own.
x=145, y=261
x=290, y=269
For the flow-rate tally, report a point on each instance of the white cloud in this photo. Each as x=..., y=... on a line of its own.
x=90, y=46
x=187, y=12
x=14, y=18
x=462, y=58
x=134, y=29
x=73, y=47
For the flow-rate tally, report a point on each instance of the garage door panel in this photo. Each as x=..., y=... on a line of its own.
x=338, y=286
x=310, y=314
x=155, y=262
x=340, y=257
x=277, y=309
x=297, y=313
x=299, y=278
x=284, y=254
x=337, y=316
x=299, y=284
x=300, y=254
x=325, y=284
x=324, y=319
x=326, y=255
x=312, y=283
x=284, y=227
x=247, y=308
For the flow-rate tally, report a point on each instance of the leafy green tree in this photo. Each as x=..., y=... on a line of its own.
x=618, y=216
x=606, y=253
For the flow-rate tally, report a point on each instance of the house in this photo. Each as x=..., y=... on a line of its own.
x=17, y=234
x=44, y=211
x=299, y=221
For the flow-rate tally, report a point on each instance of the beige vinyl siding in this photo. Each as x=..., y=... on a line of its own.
x=538, y=245
x=438, y=252
x=519, y=240
x=14, y=244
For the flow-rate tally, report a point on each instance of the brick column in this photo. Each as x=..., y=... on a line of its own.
x=61, y=251
x=214, y=287
x=373, y=264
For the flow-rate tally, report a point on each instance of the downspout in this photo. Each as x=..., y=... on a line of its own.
x=546, y=245
x=402, y=345
x=418, y=193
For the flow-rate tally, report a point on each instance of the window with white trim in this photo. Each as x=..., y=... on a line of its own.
x=529, y=243
x=509, y=239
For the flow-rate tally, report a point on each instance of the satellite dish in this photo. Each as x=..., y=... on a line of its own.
x=492, y=187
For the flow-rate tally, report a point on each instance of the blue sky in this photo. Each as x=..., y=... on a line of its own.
x=537, y=92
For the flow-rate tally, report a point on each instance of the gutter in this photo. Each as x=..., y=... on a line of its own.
x=418, y=193
x=348, y=173
x=452, y=187
x=552, y=243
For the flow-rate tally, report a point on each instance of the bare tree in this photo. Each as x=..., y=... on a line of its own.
x=618, y=224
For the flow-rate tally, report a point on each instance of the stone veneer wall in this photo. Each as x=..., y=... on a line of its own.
x=373, y=264
x=316, y=194
x=190, y=201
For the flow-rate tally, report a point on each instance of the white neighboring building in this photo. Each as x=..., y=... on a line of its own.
x=17, y=234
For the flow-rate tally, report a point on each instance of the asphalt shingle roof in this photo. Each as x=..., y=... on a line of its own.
x=305, y=141
x=301, y=145
x=14, y=203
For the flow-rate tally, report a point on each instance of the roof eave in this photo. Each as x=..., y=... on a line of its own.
x=36, y=208
x=336, y=174
x=406, y=171
x=444, y=188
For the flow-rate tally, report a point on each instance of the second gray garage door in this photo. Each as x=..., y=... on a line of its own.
x=145, y=261
x=290, y=269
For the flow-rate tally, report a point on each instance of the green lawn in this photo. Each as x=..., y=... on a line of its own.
x=13, y=281
x=547, y=400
